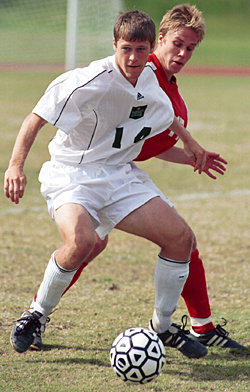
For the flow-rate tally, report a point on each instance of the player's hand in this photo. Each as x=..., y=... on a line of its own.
x=214, y=162
x=192, y=149
x=14, y=184
x=196, y=153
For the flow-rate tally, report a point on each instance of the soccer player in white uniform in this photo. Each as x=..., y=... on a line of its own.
x=104, y=113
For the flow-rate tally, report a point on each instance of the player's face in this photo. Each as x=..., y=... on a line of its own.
x=175, y=49
x=131, y=57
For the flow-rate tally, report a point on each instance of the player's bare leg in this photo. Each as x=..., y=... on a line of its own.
x=78, y=234
x=161, y=224
x=100, y=245
x=76, y=228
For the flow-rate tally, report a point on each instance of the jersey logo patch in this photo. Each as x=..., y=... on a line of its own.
x=137, y=112
x=139, y=96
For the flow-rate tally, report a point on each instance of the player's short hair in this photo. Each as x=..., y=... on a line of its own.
x=134, y=26
x=183, y=15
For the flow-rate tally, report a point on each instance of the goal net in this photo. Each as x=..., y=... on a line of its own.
x=33, y=32
x=95, y=28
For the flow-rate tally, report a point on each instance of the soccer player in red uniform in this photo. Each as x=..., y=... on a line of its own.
x=181, y=30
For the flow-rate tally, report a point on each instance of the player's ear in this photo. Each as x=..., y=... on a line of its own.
x=160, y=39
x=114, y=45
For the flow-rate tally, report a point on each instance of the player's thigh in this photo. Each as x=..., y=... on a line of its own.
x=155, y=221
x=75, y=224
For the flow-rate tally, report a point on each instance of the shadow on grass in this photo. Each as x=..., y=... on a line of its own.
x=216, y=366
x=229, y=354
x=221, y=365
x=51, y=347
x=71, y=361
x=74, y=360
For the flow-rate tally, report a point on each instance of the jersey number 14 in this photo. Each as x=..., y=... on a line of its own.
x=119, y=133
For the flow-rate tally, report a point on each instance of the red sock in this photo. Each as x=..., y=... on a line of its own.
x=76, y=276
x=195, y=294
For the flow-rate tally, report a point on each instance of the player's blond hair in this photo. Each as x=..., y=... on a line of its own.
x=134, y=26
x=183, y=15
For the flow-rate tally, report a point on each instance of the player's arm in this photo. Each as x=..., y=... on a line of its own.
x=213, y=160
x=175, y=155
x=192, y=149
x=15, y=179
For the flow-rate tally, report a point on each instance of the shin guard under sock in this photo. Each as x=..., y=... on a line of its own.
x=170, y=277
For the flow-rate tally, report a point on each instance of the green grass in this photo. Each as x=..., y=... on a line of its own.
x=225, y=42
x=116, y=291
x=34, y=32
x=156, y=8
x=227, y=29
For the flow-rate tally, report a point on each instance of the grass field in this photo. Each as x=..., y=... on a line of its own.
x=116, y=291
x=34, y=32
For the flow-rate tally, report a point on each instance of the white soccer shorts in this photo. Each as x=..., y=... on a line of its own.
x=108, y=193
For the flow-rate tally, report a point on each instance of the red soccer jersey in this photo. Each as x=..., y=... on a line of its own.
x=167, y=139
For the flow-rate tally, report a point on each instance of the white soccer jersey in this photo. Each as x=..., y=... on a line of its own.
x=100, y=116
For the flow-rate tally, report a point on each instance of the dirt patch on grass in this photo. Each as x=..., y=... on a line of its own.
x=30, y=67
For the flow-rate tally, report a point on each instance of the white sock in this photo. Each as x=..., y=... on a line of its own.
x=55, y=281
x=200, y=322
x=170, y=277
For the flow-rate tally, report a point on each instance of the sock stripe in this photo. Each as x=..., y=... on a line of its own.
x=62, y=269
x=200, y=322
x=174, y=261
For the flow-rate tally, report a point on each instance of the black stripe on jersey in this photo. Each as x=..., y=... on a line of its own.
x=93, y=134
x=56, y=84
x=77, y=88
x=149, y=66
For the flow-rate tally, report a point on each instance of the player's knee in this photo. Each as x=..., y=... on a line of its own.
x=80, y=247
x=100, y=245
x=194, y=245
x=185, y=239
x=188, y=239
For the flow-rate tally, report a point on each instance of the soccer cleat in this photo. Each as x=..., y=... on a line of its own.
x=216, y=337
x=22, y=335
x=177, y=337
x=37, y=342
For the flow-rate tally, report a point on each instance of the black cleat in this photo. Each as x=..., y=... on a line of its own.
x=177, y=337
x=216, y=337
x=37, y=342
x=23, y=333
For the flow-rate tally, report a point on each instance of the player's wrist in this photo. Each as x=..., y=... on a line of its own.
x=16, y=164
x=185, y=136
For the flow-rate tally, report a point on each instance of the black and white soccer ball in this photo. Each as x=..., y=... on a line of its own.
x=137, y=355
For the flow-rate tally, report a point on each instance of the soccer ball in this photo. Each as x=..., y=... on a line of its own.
x=137, y=355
